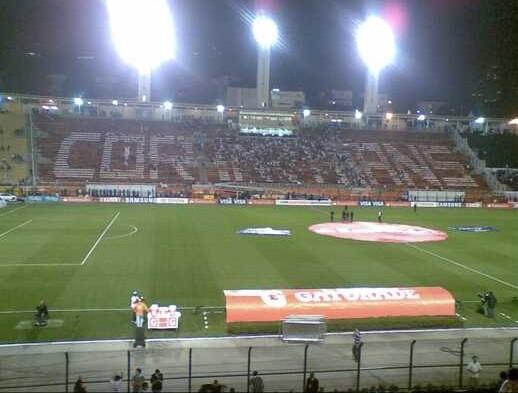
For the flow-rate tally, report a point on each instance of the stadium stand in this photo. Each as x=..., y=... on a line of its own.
x=499, y=152
x=14, y=152
x=72, y=149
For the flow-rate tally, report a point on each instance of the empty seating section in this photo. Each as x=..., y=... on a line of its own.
x=499, y=151
x=133, y=151
x=14, y=152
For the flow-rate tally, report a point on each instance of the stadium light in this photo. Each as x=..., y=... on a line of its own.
x=266, y=34
x=421, y=117
x=78, y=101
x=9, y=98
x=358, y=115
x=377, y=49
x=115, y=103
x=480, y=120
x=306, y=112
x=265, y=31
x=220, y=108
x=513, y=122
x=143, y=34
x=389, y=115
x=168, y=105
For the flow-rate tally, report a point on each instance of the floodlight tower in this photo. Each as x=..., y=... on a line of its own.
x=377, y=49
x=143, y=34
x=266, y=34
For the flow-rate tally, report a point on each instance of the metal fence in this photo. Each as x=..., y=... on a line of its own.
x=283, y=367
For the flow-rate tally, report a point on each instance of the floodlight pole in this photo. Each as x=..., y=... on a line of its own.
x=263, y=76
x=144, y=86
x=370, y=102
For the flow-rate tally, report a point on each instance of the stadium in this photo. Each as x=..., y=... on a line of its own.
x=371, y=248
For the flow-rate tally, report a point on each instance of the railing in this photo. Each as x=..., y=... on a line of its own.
x=283, y=367
x=478, y=165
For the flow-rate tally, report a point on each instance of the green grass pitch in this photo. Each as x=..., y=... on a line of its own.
x=187, y=255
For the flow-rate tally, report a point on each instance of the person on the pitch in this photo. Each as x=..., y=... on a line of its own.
x=135, y=296
x=42, y=314
x=141, y=310
x=344, y=215
x=357, y=343
x=332, y=214
x=415, y=207
x=380, y=216
x=351, y=215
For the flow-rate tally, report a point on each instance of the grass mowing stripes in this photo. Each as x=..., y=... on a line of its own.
x=187, y=255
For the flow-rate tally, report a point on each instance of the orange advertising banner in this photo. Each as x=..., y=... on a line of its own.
x=271, y=305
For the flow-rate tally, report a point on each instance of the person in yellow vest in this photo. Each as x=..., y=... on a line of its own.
x=141, y=310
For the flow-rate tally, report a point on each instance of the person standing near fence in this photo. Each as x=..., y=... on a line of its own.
x=256, y=383
x=357, y=344
x=312, y=384
x=141, y=310
x=157, y=380
x=138, y=381
x=474, y=369
x=511, y=383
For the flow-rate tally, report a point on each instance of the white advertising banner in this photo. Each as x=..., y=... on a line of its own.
x=172, y=201
x=163, y=317
x=303, y=202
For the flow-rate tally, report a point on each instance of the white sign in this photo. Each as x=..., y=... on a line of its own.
x=265, y=232
x=163, y=317
x=172, y=201
x=303, y=202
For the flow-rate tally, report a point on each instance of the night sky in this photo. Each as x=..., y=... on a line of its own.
x=438, y=47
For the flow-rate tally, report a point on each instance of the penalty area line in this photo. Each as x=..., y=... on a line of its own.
x=14, y=228
x=100, y=238
x=13, y=210
x=462, y=266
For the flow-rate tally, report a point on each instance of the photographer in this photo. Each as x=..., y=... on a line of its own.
x=42, y=314
x=488, y=303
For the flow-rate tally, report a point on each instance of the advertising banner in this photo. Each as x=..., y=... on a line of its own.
x=371, y=203
x=202, y=201
x=339, y=303
x=42, y=198
x=303, y=202
x=163, y=317
x=72, y=199
x=438, y=204
x=398, y=204
x=345, y=203
x=499, y=205
x=110, y=199
x=172, y=201
x=231, y=201
x=261, y=202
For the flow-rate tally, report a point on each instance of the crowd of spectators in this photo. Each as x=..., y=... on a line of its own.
x=507, y=382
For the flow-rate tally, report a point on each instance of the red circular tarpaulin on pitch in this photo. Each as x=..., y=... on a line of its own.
x=379, y=232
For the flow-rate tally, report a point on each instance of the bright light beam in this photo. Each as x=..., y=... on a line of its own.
x=266, y=32
x=142, y=32
x=376, y=44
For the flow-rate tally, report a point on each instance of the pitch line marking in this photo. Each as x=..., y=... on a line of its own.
x=13, y=210
x=100, y=238
x=458, y=264
x=37, y=264
x=14, y=228
x=133, y=231
x=106, y=309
